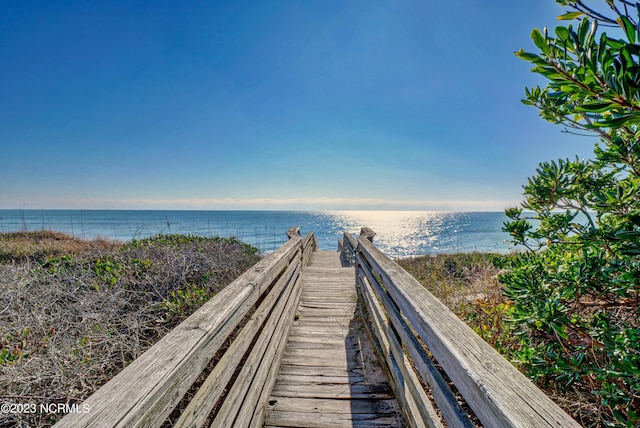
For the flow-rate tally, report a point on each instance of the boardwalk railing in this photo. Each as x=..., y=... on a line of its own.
x=263, y=302
x=219, y=366
x=407, y=324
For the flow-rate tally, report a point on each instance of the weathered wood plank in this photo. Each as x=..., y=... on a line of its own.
x=417, y=408
x=317, y=341
x=309, y=246
x=266, y=377
x=318, y=374
x=308, y=312
x=316, y=325
x=325, y=305
x=329, y=353
x=299, y=347
x=301, y=419
x=156, y=381
x=306, y=334
x=318, y=361
x=333, y=312
x=203, y=401
x=349, y=248
x=323, y=362
x=447, y=403
x=242, y=399
x=327, y=406
x=497, y=392
x=333, y=391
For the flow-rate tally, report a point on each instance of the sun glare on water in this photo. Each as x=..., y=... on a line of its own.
x=407, y=233
x=398, y=231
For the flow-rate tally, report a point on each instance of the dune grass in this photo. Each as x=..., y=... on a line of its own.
x=19, y=247
x=75, y=312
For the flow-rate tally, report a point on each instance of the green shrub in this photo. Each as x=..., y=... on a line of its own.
x=576, y=292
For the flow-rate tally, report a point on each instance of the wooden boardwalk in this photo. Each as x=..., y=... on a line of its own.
x=301, y=355
x=329, y=375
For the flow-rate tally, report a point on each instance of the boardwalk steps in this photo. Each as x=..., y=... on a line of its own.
x=329, y=374
x=305, y=338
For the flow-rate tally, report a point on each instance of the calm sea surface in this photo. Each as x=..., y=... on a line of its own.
x=399, y=233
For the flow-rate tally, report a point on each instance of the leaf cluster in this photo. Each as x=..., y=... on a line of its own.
x=576, y=291
x=594, y=79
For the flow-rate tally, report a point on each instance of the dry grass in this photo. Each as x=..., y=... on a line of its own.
x=39, y=245
x=456, y=279
x=73, y=313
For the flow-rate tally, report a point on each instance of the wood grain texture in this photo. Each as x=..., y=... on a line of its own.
x=417, y=408
x=244, y=401
x=496, y=391
x=329, y=375
x=210, y=391
x=445, y=399
x=146, y=391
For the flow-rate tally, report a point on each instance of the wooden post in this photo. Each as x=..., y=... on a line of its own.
x=366, y=232
x=293, y=232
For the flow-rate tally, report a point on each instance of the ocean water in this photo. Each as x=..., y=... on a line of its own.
x=398, y=233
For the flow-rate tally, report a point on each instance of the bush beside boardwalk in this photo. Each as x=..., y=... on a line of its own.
x=467, y=283
x=74, y=312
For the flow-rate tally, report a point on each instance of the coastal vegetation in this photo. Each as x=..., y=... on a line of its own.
x=575, y=289
x=75, y=312
x=78, y=311
x=469, y=285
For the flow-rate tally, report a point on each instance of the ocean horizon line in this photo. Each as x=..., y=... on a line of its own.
x=398, y=232
x=253, y=210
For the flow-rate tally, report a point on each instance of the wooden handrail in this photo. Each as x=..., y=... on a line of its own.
x=147, y=391
x=309, y=245
x=402, y=314
x=408, y=325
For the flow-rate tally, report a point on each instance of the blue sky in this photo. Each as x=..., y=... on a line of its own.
x=294, y=104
